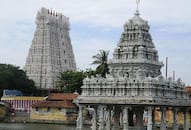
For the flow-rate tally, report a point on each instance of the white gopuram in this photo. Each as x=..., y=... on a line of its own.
x=51, y=50
x=134, y=86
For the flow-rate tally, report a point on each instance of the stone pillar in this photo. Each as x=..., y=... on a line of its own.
x=125, y=118
x=116, y=117
x=163, y=118
x=94, y=119
x=101, y=118
x=139, y=118
x=108, y=118
x=150, y=118
x=186, y=120
x=79, y=121
x=175, y=119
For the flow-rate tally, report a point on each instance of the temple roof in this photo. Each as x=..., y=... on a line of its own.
x=55, y=104
x=62, y=96
x=58, y=100
x=137, y=20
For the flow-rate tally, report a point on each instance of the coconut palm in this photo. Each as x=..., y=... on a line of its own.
x=101, y=60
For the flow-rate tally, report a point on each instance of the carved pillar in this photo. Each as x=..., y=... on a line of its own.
x=125, y=118
x=150, y=118
x=163, y=118
x=101, y=118
x=108, y=118
x=94, y=119
x=116, y=117
x=175, y=119
x=79, y=122
x=186, y=120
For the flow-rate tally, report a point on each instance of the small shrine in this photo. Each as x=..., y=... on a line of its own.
x=134, y=86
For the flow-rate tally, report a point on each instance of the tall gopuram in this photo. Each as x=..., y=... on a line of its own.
x=51, y=50
x=134, y=86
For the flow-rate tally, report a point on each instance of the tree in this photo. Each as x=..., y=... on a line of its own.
x=71, y=81
x=12, y=77
x=101, y=59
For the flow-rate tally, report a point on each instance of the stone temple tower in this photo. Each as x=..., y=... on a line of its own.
x=51, y=50
x=134, y=87
x=135, y=55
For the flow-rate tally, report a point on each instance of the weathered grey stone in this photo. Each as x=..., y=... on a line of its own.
x=135, y=81
x=134, y=73
x=51, y=50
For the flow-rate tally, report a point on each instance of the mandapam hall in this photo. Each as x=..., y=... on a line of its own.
x=134, y=86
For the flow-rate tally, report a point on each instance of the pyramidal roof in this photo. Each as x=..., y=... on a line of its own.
x=135, y=52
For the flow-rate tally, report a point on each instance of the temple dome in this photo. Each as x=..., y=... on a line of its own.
x=137, y=20
x=136, y=51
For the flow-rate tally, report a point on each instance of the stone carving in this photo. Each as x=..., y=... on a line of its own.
x=179, y=81
x=94, y=120
x=137, y=76
x=101, y=119
x=135, y=80
x=51, y=50
x=78, y=122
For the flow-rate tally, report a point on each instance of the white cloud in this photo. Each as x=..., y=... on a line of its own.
x=171, y=19
x=100, y=12
x=89, y=48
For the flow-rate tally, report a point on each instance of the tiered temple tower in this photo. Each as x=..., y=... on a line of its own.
x=51, y=50
x=134, y=86
x=135, y=55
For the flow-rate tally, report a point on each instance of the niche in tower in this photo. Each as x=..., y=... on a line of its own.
x=135, y=51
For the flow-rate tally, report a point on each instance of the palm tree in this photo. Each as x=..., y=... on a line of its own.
x=101, y=59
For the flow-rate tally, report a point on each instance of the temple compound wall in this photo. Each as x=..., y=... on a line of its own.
x=51, y=50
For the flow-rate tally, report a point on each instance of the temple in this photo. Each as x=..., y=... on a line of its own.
x=134, y=86
x=51, y=50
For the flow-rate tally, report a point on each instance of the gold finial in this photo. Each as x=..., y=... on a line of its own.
x=138, y=2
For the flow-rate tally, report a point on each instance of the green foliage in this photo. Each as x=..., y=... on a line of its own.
x=102, y=69
x=71, y=81
x=12, y=77
x=101, y=59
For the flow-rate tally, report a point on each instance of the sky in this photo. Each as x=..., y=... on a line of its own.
x=98, y=24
